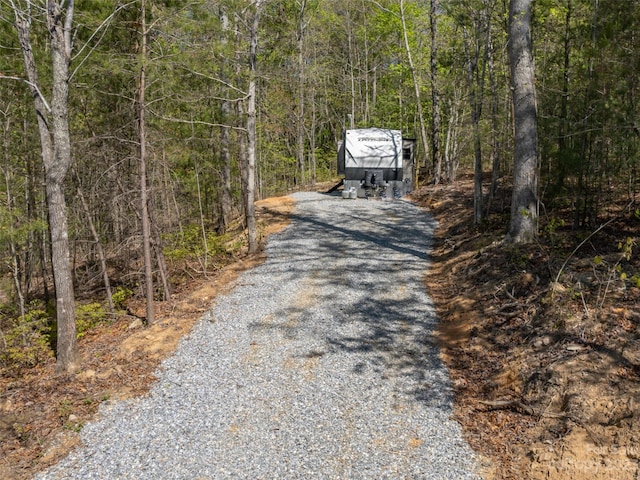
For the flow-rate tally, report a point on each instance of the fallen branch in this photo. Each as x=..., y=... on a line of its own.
x=520, y=407
x=508, y=306
x=514, y=405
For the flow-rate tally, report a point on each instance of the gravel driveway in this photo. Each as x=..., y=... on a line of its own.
x=319, y=364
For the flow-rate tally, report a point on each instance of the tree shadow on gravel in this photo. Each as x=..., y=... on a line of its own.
x=390, y=328
x=358, y=236
x=393, y=349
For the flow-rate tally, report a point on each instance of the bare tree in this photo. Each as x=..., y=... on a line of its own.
x=144, y=201
x=475, y=79
x=9, y=234
x=524, y=204
x=55, y=144
x=225, y=172
x=495, y=140
x=98, y=245
x=416, y=87
x=225, y=154
x=436, y=155
x=300, y=137
x=250, y=167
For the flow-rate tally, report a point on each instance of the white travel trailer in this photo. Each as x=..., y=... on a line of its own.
x=376, y=162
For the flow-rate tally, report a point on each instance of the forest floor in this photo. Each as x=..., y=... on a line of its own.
x=545, y=367
x=545, y=372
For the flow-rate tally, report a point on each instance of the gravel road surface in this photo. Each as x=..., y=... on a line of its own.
x=319, y=364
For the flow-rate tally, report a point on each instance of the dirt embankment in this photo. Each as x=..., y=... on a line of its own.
x=546, y=373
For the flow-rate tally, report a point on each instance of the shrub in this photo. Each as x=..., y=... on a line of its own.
x=120, y=296
x=26, y=341
x=88, y=316
x=189, y=244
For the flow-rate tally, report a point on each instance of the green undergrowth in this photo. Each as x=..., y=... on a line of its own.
x=26, y=339
x=29, y=340
x=190, y=244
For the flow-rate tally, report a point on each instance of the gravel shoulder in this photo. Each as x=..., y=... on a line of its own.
x=320, y=363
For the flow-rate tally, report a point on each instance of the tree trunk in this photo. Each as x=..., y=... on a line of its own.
x=225, y=155
x=225, y=173
x=364, y=51
x=416, y=89
x=244, y=162
x=55, y=144
x=495, y=142
x=67, y=354
x=436, y=155
x=583, y=196
x=476, y=83
x=524, y=204
x=14, y=265
x=203, y=229
x=162, y=264
x=35, y=245
x=250, y=182
x=312, y=139
x=564, y=101
x=99, y=249
x=451, y=143
x=352, y=75
x=225, y=187
x=144, y=201
x=67, y=351
x=301, y=80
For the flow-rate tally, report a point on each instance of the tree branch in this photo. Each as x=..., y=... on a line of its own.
x=32, y=85
x=101, y=28
x=196, y=122
x=215, y=79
